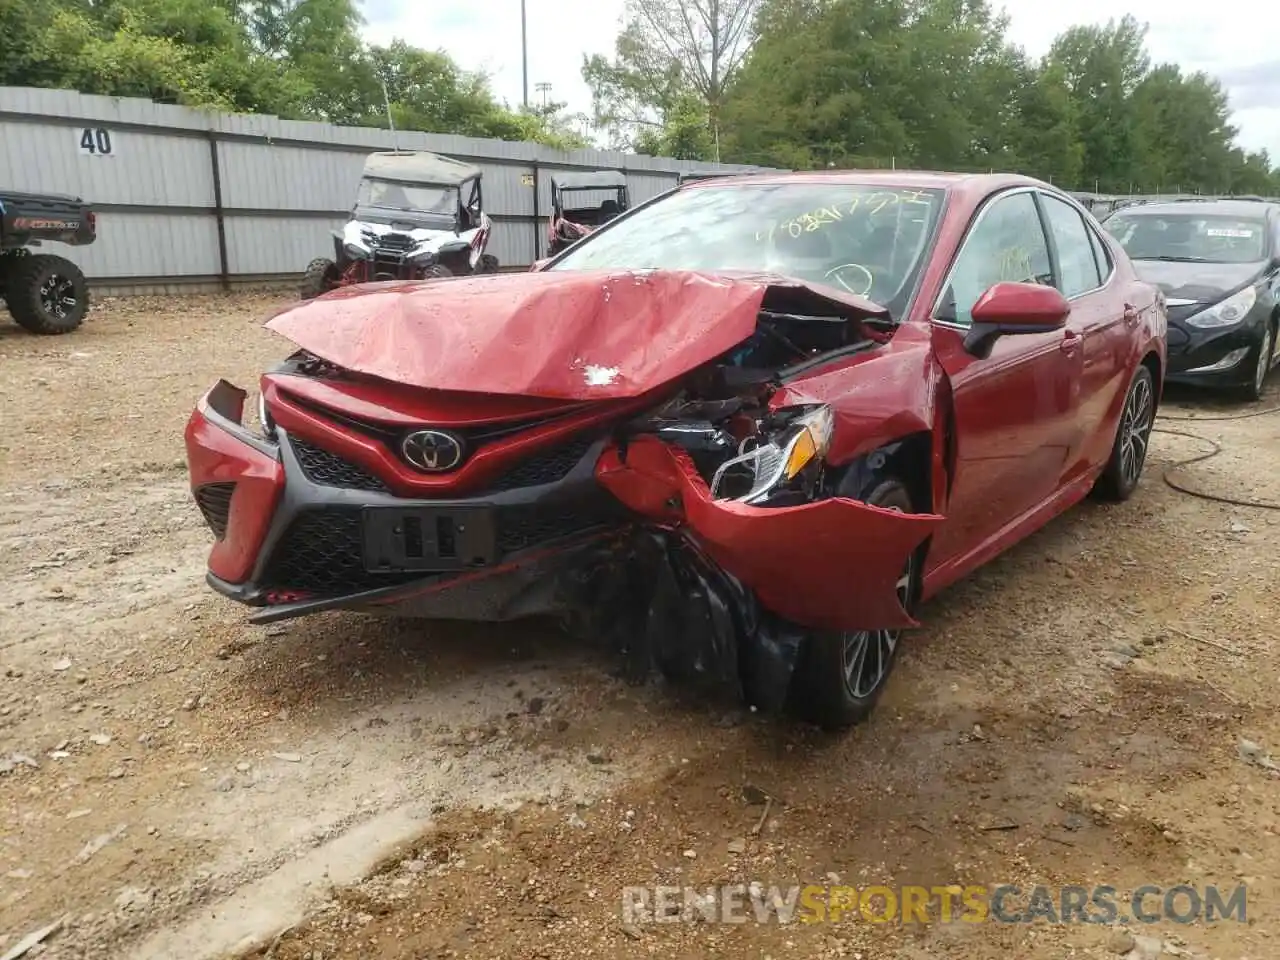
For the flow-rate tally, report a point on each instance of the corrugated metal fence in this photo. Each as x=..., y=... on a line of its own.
x=188, y=197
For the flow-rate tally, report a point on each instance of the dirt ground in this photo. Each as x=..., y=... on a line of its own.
x=177, y=783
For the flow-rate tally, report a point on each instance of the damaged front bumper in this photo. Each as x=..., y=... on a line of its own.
x=628, y=549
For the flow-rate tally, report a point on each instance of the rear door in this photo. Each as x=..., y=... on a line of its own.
x=1015, y=409
x=1100, y=318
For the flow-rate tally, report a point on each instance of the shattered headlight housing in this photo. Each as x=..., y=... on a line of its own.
x=763, y=466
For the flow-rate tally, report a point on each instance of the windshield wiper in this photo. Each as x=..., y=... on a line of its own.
x=1168, y=259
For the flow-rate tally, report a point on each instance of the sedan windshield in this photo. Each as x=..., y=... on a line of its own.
x=421, y=198
x=1192, y=237
x=868, y=240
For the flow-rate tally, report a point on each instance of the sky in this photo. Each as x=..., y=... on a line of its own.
x=1235, y=40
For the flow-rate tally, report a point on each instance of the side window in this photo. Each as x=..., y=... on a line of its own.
x=1077, y=268
x=1006, y=244
x=1100, y=254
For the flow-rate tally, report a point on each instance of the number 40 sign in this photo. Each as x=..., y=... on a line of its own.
x=96, y=142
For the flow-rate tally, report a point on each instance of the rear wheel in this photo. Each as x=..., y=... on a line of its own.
x=321, y=276
x=840, y=676
x=1260, y=370
x=46, y=294
x=1129, y=451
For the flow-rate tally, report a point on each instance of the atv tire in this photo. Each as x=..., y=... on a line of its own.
x=321, y=276
x=46, y=294
x=437, y=271
x=488, y=263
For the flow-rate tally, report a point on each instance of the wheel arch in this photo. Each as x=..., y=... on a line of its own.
x=909, y=458
x=1152, y=362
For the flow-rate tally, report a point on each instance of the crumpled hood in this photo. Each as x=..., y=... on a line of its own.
x=574, y=335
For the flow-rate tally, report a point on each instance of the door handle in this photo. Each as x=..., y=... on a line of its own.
x=1070, y=341
x=1130, y=314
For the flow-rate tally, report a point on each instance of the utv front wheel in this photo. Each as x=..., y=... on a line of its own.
x=46, y=294
x=437, y=271
x=840, y=676
x=321, y=276
x=488, y=264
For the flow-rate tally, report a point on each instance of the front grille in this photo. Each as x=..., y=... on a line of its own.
x=330, y=470
x=214, y=501
x=547, y=466
x=322, y=552
x=522, y=527
x=397, y=242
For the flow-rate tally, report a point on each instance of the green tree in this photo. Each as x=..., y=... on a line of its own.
x=1102, y=67
x=673, y=56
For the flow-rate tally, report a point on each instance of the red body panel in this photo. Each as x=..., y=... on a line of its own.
x=216, y=456
x=569, y=336
x=830, y=565
x=549, y=423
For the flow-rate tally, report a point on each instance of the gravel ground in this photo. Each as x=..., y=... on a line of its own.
x=175, y=782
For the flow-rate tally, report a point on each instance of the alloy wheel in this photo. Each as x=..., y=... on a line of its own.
x=57, y=295
x=866, y=654
x=1135, y=430
x=1264, y=361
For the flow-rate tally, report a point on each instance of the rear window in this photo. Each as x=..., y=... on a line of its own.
x=1193, y=237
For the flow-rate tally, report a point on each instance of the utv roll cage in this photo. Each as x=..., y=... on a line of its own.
x=571, y=223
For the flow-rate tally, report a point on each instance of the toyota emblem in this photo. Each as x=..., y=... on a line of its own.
x=432, y=450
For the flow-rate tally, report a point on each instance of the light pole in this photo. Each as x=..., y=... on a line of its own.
x=524, y=53
x=543, y=88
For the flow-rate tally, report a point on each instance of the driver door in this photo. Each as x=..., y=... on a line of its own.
x=1014, y=409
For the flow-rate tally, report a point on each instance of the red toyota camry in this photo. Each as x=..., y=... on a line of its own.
x=738, y=433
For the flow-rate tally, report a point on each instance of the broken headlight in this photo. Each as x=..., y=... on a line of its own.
x=765, y=465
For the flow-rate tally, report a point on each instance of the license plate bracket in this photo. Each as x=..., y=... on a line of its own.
x=428, y=539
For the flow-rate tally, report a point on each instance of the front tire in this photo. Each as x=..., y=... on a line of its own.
x=488, y=264
x=1133, y=435
x=321, y=276
x=840, y=676
x=1265, y=350
x=46, y=294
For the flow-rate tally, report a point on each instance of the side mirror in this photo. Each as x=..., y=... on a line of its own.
x=1008, y=309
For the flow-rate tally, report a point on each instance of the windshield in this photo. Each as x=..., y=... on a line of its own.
x=868, y=240
x=1193, y=237
x=422, y=198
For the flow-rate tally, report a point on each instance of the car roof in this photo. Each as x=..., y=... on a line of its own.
x=973, y=184
x=418, y=166
x=1214, y=206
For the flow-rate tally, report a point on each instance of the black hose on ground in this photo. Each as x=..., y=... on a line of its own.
x=1200, y=458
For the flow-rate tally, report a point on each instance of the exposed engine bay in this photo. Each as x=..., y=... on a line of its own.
x=722, y=419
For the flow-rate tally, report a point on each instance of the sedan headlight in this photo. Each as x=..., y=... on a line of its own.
x=759, y=471
x=1227, y=312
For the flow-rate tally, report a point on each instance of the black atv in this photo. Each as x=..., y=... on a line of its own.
x=45, y=293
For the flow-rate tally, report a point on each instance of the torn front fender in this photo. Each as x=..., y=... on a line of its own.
x=831, y=565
